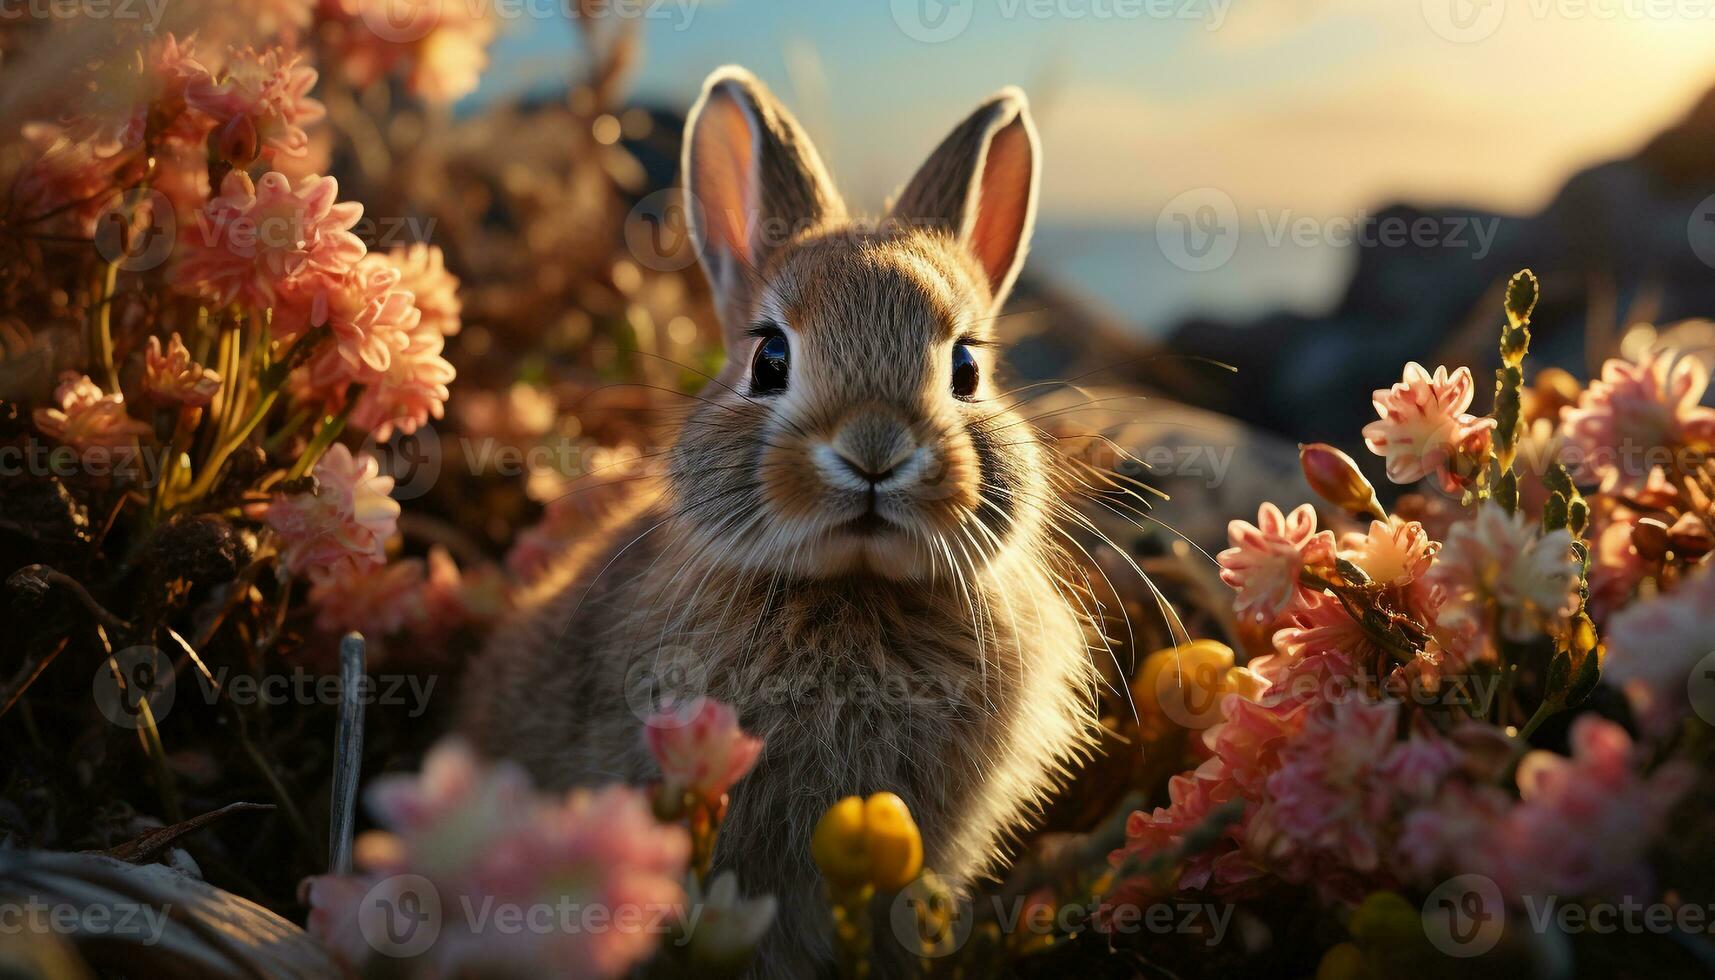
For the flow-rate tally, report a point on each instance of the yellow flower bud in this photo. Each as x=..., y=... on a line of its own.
x=1386, y=916
x=1342, y=962
x=868, y=842
x=1185, y=686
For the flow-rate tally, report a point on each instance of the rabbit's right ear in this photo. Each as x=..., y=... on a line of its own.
x=753, y=183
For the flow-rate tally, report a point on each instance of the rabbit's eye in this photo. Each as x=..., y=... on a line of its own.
x=965, y=371
x=773, y=361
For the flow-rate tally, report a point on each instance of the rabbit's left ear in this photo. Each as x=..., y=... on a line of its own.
x=980, y=185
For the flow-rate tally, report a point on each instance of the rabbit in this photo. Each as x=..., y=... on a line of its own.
x=852, y=541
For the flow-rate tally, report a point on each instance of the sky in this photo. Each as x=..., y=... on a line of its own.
x=1289, y=109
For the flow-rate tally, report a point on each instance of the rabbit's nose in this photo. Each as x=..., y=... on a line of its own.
x=872, y=445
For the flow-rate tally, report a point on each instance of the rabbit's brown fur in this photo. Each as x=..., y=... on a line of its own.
x=948, y=662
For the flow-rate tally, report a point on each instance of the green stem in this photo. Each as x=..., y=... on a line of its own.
x=102, y=327
x=272, y=380
x=1544, y=711
x=332, y=426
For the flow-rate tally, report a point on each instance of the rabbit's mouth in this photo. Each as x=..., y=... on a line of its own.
x=869, y=524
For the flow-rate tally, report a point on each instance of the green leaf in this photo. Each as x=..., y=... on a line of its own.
x=1506, y=491
x=1554, y=512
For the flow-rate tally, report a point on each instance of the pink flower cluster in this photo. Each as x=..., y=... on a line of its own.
x=1580, y=828
x=1332, y=778
x=439, y=47
x=484, y=839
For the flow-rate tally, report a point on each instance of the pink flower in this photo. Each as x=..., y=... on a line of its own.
x=487, y=841
x=336, y=903
x=1584, y=824
x=1499, y=559
x=267, y=93
x=1394, y=552
x=452, y=597
x=1655, y=646
x=1266, y=559
x=255, y=241
x=423, y=274
x=411, y=391
x=451, y=807
x=171, y=377
x=65, y=175
x=439, y=46
x=376, y=601
x=120, y=94
x=370, y=318
x=1636, y=417
x=700, y=748
x=1424, y=423
x=1458, y=831
x=350, y=514
x=84, y=417
x=1192, y=799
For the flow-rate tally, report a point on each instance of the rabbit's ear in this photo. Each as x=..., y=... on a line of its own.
x=980, y=185
x=754, y=183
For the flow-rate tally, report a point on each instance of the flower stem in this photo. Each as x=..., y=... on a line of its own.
x=332, y=426
x=102, y=326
